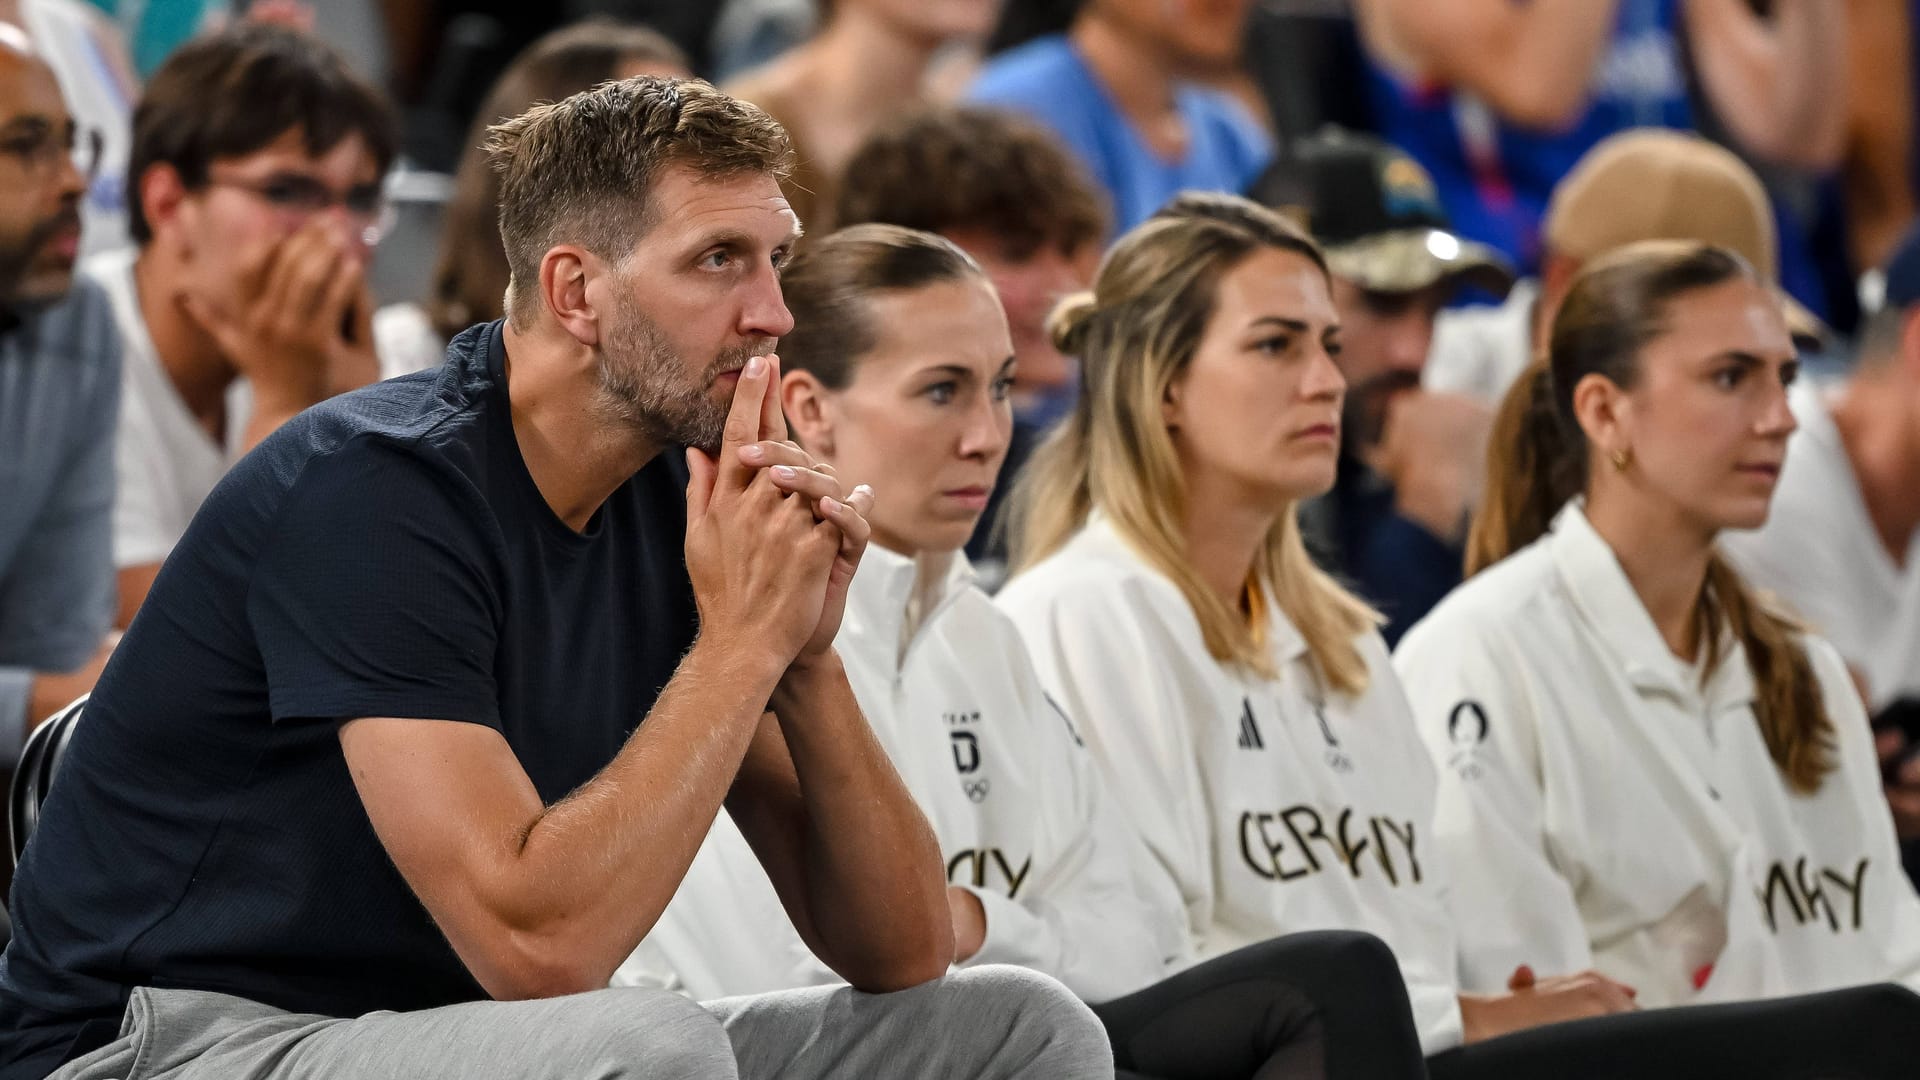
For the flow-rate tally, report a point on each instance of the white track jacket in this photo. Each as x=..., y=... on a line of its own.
x=1012, y=794
x=1599, y=807
x=1269, y=806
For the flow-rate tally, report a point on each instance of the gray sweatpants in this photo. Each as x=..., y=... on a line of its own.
x=987, y=1022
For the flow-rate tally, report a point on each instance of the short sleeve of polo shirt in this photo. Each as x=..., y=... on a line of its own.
x=377, y=593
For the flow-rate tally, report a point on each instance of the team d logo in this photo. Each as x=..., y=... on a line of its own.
x=966, y=755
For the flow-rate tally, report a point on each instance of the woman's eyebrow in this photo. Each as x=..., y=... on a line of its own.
x=1294, y=325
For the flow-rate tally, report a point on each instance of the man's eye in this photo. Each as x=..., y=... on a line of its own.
x=716, y=259
x=1728, y=378
x=293, y=193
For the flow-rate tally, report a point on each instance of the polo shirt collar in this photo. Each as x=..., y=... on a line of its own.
x=1605, y=600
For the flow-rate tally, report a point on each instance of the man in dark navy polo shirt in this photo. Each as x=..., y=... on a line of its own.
x=427, y=714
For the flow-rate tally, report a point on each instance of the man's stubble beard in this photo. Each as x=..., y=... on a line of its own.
x=21, y=289
x=643, y=382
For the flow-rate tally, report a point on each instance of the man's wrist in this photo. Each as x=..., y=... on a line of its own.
x=809, y=672
x=724, y=660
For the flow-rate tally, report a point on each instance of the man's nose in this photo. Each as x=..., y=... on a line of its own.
x=765, y=312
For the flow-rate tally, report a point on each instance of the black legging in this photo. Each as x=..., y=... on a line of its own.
x=1861, y=1033
x=1328, y=1004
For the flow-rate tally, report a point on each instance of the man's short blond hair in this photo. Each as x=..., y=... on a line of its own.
x=580, y=170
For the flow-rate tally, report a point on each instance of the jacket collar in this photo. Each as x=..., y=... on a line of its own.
x=1605, y=600
x=882, y=597
x=1283, y=639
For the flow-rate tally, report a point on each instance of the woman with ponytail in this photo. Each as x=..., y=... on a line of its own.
x=898, y=374
x=1240, y=701
x=1646, y=768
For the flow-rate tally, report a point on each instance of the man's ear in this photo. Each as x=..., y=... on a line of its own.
x=1605, y=414
x=573, y=286
x=809, y=412
x=162, y=194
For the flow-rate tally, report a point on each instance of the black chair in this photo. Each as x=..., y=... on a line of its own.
x=34, y=775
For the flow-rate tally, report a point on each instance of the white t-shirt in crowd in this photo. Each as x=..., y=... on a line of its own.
x=1479, y=351
x=167, y=463
x=1601, y=808
x=1269, y=806
x=1016, y=802
x=1821, y=554
x=405, y=340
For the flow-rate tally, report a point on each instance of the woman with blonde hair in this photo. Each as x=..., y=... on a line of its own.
x=1240, y=701
x=1645, y=767
x=898, y=374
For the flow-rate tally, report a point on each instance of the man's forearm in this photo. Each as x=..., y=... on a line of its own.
x=874, y=876
x=1769, y=78
x=597, y=868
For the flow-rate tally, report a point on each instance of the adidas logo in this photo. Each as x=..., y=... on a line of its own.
x=1249, y=731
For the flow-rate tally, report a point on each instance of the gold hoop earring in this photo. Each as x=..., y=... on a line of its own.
x=1622, y=459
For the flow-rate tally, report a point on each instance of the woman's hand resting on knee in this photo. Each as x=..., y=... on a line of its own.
x=1530, y=1003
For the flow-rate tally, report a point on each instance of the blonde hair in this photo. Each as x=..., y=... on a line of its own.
x=1539, y=458
x=1134, y=333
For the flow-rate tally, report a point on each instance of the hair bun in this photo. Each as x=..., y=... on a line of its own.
x=1070, y=322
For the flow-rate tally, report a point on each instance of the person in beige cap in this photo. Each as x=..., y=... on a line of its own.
x=1643, y=184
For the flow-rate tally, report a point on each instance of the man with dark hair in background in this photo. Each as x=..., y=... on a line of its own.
x=59, y=392
x=440, y=692
x=1411, y=462
x=1015, y=199
x=254, y=197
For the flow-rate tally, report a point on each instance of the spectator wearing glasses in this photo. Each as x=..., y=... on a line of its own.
x=435, y=700
x=256, y=168
x=59, y=392
x=90, y=59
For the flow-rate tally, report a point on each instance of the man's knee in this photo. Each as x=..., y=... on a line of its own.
x=650, y=1035
x=1043, y=1025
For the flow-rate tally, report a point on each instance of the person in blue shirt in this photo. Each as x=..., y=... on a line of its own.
x=1498, y=99
x=1394, y=524
x=1118, y=89
x=59, y=397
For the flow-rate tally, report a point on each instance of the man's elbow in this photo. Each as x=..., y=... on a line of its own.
x=892, y=978
x=906, y=966
x=527, y=967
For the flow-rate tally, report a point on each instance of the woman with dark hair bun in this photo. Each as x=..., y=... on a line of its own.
x=898, y=374
x=1256, y=733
